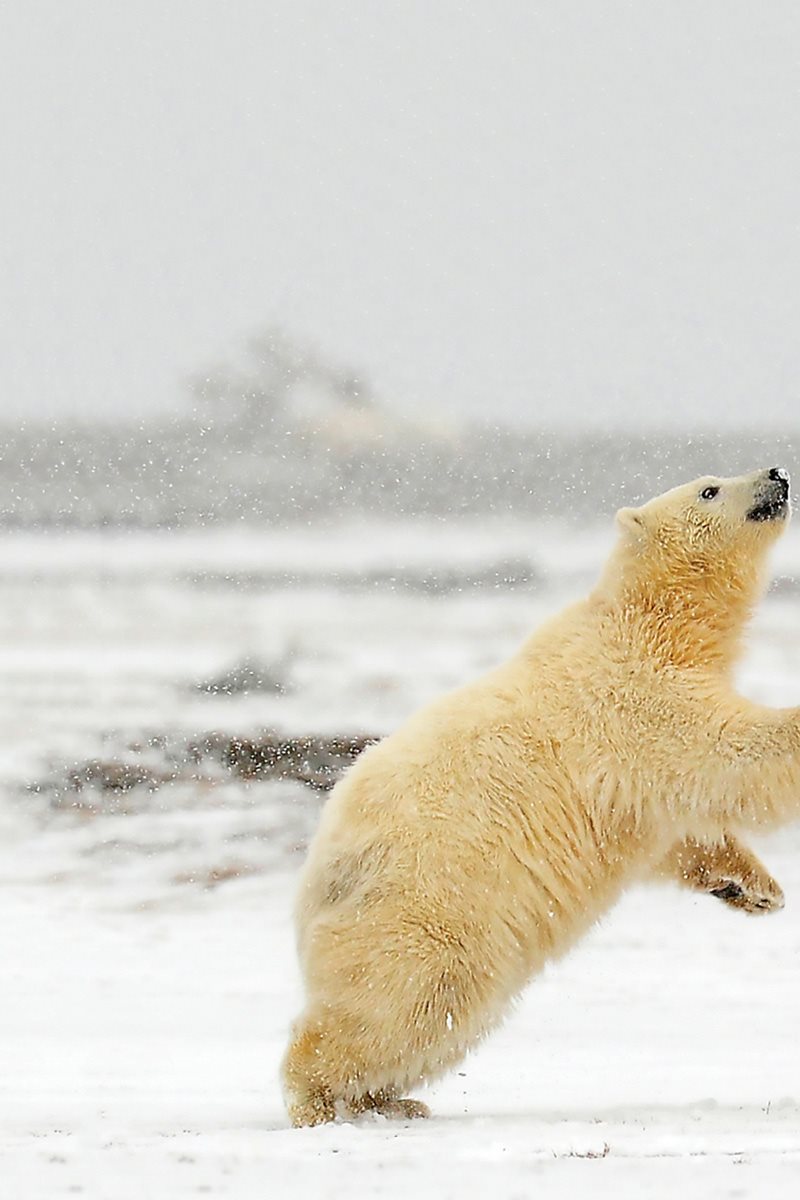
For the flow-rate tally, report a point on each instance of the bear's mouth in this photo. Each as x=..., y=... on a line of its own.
x=774, y=509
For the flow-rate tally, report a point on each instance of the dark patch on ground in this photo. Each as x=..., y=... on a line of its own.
x=249, y=675
x=214, y=876
x=122, y=783
x=316, y=762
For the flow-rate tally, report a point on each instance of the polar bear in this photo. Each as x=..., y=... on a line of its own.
x=487, y=834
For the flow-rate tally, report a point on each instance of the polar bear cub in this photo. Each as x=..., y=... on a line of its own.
x=483, y=837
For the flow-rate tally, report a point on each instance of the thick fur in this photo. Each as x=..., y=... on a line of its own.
x=483, y=838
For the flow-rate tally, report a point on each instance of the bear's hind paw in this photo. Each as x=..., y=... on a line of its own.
x=403, y=1110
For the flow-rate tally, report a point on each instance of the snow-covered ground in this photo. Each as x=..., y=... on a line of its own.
x=143, y=1016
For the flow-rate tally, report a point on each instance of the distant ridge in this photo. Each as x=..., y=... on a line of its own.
x=183, y=475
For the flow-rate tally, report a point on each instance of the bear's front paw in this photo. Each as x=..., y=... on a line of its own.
x=761, y=896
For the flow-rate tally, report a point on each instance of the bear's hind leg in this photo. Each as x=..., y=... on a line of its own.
x=388, y=1103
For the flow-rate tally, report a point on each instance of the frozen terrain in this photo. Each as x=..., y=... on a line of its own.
x=148, y=973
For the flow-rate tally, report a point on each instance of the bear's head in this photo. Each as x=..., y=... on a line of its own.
x=712, y=516
x=696, y=556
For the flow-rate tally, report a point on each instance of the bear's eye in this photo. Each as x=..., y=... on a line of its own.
x=709, y=493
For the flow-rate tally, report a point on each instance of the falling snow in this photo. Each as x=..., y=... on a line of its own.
x=148, y=958
x=333, y=337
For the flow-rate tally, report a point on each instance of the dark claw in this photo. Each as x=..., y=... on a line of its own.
x=731, y=891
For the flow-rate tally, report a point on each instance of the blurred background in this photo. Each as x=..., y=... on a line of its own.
x=333, y=336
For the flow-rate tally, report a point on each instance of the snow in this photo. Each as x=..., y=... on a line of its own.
x=142, y=1019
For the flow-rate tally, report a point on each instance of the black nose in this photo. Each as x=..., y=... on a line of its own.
x=779, y=475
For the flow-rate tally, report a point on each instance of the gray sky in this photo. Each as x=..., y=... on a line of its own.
x=575, y=213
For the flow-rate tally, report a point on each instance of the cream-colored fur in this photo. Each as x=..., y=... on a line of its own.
x=484, y=837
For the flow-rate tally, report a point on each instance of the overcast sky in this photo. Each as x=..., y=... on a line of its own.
x=581, y=213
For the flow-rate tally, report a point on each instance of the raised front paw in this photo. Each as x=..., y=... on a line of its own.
x=753, y=896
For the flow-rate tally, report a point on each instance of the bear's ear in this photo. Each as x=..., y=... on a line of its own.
x=631, y=521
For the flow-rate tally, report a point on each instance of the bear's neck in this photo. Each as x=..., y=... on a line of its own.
x=687, y=615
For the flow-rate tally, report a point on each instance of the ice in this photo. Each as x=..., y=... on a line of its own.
x=146, y=1000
